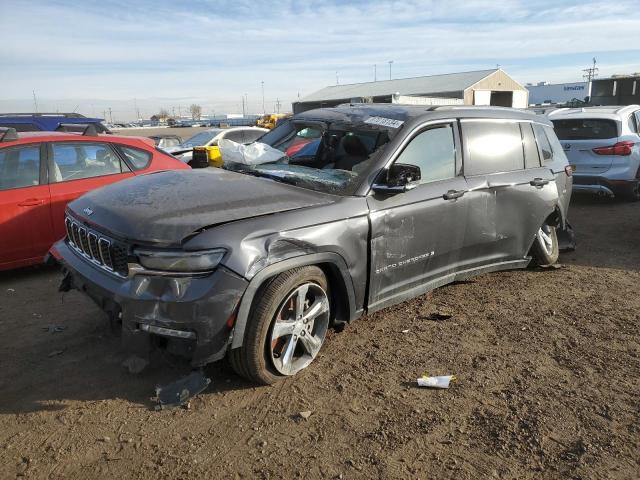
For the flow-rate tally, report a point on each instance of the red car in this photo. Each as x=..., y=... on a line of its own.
x=40, y=172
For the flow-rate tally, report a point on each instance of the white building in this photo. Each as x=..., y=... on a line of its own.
x=558, y=93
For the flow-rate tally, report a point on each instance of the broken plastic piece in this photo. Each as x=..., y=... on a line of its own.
x=441, y=381
x=181, y=391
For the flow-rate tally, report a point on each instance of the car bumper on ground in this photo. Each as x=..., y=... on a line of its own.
x=190, y=316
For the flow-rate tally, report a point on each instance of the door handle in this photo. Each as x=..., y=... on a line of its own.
x=30, y=202
x=453, y=194
x=538, y=182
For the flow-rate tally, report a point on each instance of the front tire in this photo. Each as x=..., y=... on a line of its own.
x=545, y=249
x=286, y=327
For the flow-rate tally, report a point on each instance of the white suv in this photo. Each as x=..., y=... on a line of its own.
x=603, y=146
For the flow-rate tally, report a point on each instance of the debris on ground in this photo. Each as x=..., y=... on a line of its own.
x=305, y=415
x=439, y=317
x=135, y=364
x=11, y=290
x=54, y=328
x=405, y=331
x=55, y=353
x=441, y=381
x=181, y=391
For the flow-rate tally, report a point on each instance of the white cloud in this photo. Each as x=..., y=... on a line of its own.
x=218, y=50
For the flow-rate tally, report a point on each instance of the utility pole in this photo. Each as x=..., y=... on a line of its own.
x=110, y=116
x=277, y=105
x=243, y=111
x=390, y=62
x=135, y=104
x=180, y=111
x=337, y=79
x=173, y=110
x=263, y=110
x=35, y=101
x=590, y=73
x=375, y=72
x=246, y=102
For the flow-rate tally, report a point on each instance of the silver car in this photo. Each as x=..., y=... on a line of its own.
x=603, y=146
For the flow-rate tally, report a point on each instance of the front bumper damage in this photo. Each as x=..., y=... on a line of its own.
x=189, y=316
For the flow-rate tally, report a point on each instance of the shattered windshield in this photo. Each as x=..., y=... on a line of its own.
x=326, y=157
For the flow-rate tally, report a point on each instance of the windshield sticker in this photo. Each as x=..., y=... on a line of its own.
x=385, y=122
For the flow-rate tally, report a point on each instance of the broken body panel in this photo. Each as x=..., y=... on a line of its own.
x=376, y=248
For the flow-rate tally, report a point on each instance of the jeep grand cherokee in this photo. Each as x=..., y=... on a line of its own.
x=257, y=261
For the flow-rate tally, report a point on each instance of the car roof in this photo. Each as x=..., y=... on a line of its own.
x=613, y=112
x=23, y=137
x=361, y=111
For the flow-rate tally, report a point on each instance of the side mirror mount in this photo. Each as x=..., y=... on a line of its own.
x=400, y=178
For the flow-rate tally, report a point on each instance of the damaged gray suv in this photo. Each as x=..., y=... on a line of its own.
x=364, y=206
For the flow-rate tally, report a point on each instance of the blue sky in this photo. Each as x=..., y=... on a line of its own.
x=101, y=54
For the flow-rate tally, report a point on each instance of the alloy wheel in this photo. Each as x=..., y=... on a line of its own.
x=299, y=328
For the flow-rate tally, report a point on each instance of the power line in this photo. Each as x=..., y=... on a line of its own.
x=591, y=72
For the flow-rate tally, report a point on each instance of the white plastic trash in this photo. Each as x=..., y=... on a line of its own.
x=252, y=154
x=441, y=381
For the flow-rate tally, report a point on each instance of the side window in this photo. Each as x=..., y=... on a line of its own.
x=239, y=136
x=556, y=146
x=636, y=117
x=543, y=143
x=531, y=155
x=19, y=167
x=434, y=151
x=73, y=161
x=137, y=157
x=492, y=147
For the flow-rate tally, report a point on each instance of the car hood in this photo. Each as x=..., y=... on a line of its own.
x=165, y=207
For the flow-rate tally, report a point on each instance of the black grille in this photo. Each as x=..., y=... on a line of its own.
x=100, y=250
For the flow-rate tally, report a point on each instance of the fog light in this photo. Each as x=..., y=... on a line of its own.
x=167, y=332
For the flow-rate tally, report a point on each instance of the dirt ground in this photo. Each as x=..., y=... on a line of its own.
x=547, y=365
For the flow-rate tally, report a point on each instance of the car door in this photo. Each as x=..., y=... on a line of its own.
x=76, y=168
x=508, y=199
x=416, y=235
x=25, y=224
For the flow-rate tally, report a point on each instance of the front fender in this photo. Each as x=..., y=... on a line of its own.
x=322, y=258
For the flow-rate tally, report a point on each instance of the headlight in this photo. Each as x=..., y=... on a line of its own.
x=180, y=261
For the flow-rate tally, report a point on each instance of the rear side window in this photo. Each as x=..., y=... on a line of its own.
x=434, y=152
x=543, y=143
x=492, y=147
x=531, y=155
x=556, y=146
x=585, y=128
x=19, y=167
x=74, y=161
x=138, y=158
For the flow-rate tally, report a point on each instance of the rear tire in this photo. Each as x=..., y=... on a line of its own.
x=631, y=193
x=267, y=355
x=545, y=249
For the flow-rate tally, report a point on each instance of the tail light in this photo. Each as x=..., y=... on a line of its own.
x=569, y=170
x=620, y=148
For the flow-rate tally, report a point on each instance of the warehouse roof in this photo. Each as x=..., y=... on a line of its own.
x=450, y=82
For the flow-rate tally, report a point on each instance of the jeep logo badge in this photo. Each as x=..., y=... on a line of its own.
x=87, y=211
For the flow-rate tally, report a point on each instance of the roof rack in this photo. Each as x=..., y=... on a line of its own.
x=87, y=129
x=8, y=134
x=44, y=114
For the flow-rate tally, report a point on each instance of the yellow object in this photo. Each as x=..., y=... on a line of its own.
x=269, y=120
x=212, y=153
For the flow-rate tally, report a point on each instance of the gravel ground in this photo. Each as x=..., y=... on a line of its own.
x=547, y=365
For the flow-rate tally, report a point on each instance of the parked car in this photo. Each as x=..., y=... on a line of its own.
x=165, y=142
x=47, y=122
x=210, y=138
x=603, y=145
x=256, y=262
x=41, y=171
